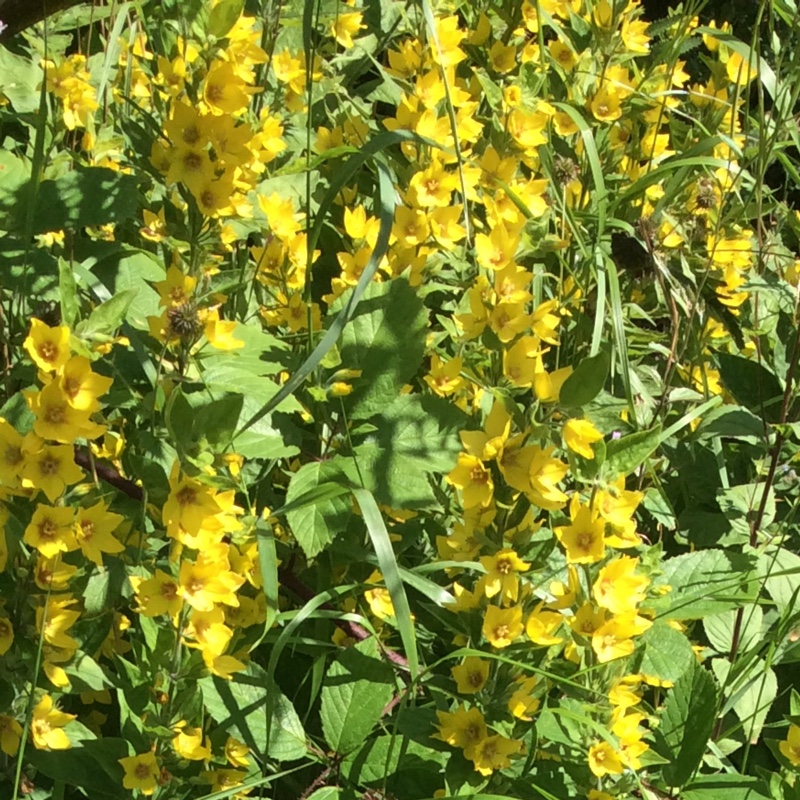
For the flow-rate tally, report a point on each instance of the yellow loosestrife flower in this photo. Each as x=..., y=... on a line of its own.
x=47, y=726
x=463, y=728
x=790, y=746
x=141, y=773
x=604, y=760
x=584, y=539
x=502, y=626
x=580, y=435
x=48, y=347
x=493, y=753
x=471, y=675
x=617, y=588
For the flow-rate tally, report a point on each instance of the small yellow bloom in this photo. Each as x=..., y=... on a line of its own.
x=604, y=760
x=502, y=575
x=345, y=26
x=492, y=753
x=48, y=347
x=471, y=675
x=464, y=728
x=47, y=726
x=579, y=435
x=6, y=635
x=10, y=735
x=502, y=626
x=790, y=746
x=141, y=772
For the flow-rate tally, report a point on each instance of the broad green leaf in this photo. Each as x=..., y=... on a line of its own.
x=719, y=629
x=740, y=505
x=702, y=583
x=783, y=568
x=223, y=16
x=357, y=688
x=385, y=339
x=85, y=674
x=414, y=436
x=732, y=422
x=624, y=455
x=326, y=793
x=107, y=317
x=314, y=525
x=237, y=706
x=687, y=723
x=410, y=769
x=13, y=174
x=19, y=81
x=752, y=384
x=586, y=382
x=666, y=653
x=85, y=196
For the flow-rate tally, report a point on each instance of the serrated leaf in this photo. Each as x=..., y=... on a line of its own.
x=726, y=787
x=238, y=707
x=666, y=653
x=624, y=455
x=719, y=629
x=586, y=382
x=357, y=688
x=740, y=505
x=385, y=339
x=702, y=583
x=732, y=422
x=315, y=524
x=783, y=583
x=687, y=723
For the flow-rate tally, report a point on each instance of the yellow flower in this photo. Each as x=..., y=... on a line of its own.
x=157, y=595
x=379, y=599
x=790, y=746
x=606, y=105
x=604, y=760
x=50, y=531
x=613, y=638
x=48, y=347
x=56, y=418
x=617, y=588
x=492, y=753
x=224, y=91
x=57, y=619
x=81, y=386
x=542, y=625
x=222, y=779
x=176, y=289
x=503, y=57
x=209, y=580
x=584, y=539
x=345, y=26
x=502, y=626
x=50, y=469
x=547, y=385
x=12, y=456
x=544, y=474
x=209, y=631
x=188, y=743
x=237, y=752
x=497, y=249
x=522, y=703
x=502, y=575
x=141, y=772
x=444, y=377
x=474, y=480
x=220, y=332
x=463, y=728
x=53, y=573
x=47, y=726
x=10, y=735
x=488, y=443
x=188, y=506
x=471, y=675
x=579, y=435
x=93, y=532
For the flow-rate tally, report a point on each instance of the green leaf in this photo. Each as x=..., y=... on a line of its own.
x=85, y=196
x=752, y=384
x=326, y=793
x=702, y=583
x=624, y=455
x=750, y=694
x=13, y=173
x=385, y=339
x=414, y=436
x=19, y=81
x=223, y=17
x=726, y=787
x=357, y=688
x=666, y=653
x=85, y=674
x=238, y=707
x=719, y=629
x=740, y=505
x=316, y=523
x=68, y=293
x=586, y=382
x=732, y=422
x=780, y=571
x=107, y=317
x=687, y=723
x=391, y=575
